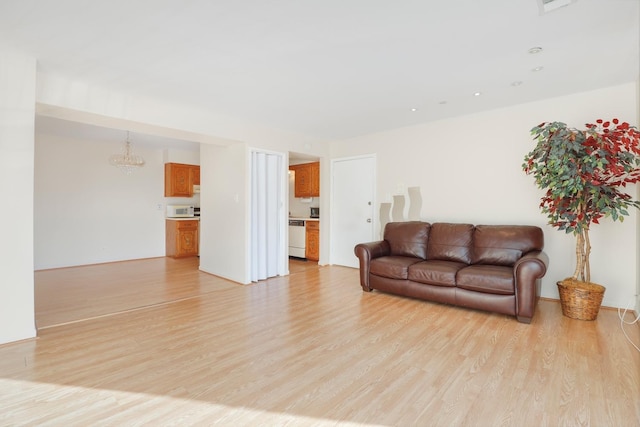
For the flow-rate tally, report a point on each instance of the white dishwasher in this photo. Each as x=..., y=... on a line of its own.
x=297, y=238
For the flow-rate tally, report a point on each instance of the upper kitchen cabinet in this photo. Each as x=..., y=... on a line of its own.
x=307, y=179
x=179, y=179
x=195, y=171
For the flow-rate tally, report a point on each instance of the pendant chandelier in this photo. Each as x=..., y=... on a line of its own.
x=127, y=161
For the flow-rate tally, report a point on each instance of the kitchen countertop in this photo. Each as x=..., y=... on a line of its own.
x=304, y=219
x=197, y=218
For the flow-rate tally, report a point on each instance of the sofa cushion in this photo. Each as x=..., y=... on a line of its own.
x=435, y=272
x=408, y=238
x=450, y=242
x=492, y=279
x=505, y=244
x=393, y=267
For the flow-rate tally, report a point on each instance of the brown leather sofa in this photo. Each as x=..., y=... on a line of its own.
x=487, y=267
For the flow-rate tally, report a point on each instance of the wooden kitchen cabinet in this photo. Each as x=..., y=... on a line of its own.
x=312, y=242
x=195, y=174
x=179, y=179
x=307, y=179
x=302, y=183
x=314, y=172
x=182, y=238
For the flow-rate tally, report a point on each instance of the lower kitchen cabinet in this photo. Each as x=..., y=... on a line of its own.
x=182, y=238
x=312, y=246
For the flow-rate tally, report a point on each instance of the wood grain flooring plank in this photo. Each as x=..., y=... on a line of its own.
x=175, y=346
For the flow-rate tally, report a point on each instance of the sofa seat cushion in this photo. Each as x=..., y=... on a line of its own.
x=435, y=272
x=492, y=279
x=393, y=267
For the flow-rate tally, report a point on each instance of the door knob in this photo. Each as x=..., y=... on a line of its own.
x=368, y=219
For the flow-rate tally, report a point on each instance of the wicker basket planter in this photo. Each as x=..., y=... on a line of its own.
x=580, y=300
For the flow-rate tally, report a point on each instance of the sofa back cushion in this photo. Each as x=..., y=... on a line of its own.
x=450, y=242
x=408, y=238
x=505, y=244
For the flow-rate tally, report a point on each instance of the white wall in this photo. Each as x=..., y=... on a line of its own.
x=224, y=225
x=17, y=110
x=172, y=155
x=87, y=211
x=87, y=103
x=469, y=170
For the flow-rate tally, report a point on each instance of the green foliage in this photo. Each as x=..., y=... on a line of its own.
x=584, y=172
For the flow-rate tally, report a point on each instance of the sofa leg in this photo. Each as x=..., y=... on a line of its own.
x=365, y=289
x=522, y=319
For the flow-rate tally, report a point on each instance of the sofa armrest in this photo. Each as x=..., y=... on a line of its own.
x=367, y=252
x=528, y=271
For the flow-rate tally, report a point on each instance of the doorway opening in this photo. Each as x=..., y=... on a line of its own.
x=304, y=208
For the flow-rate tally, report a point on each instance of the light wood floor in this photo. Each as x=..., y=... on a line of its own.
x=307, y=349
x=69, y=294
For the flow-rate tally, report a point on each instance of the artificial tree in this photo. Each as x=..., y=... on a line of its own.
x=584, y=173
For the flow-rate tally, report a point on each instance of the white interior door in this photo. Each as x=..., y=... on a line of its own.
x=268, y=234
x=352, y=207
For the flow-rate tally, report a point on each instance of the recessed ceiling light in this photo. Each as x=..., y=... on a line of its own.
x=538, y=68
x=414, y=109
x=535, y=50
x=516, y=83
x=477, y=94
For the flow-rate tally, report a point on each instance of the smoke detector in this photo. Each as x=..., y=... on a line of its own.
x=547, y=6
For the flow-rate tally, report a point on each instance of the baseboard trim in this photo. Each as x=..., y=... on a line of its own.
x=603, y=307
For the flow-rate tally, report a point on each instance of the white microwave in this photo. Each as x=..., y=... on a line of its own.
x=180, y=211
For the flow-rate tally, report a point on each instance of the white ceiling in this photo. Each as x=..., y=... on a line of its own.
x=331, y=68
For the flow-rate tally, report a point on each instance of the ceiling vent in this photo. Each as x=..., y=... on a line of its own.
x=547, y=6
